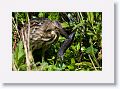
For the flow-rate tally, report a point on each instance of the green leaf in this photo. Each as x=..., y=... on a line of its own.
x=71, y=67
x=90, y=33
x=77, y=64
x=51, y=67
x=64, y=24
x=44, y=66
x=72, y=61
x=78, y=46
x=73, y=47
x=77, y=26
x=21, y=51
x=23, y=67
x=53, y=16
x=16, y=54
x=41, y=14
x=77, y=35
x=61, y=39
x=90, y=50
x=84, y=64
x=90, y=17
x=83, y=49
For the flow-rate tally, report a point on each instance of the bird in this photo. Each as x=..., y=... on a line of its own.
x=40, y=33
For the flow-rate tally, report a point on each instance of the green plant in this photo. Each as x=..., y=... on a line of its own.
x=84, y=54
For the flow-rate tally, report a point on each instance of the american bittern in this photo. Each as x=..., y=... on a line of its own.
x=41, y=33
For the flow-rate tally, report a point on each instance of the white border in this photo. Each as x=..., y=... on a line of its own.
x=104, y=76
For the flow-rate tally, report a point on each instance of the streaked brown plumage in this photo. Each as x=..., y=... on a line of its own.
x=42, y=34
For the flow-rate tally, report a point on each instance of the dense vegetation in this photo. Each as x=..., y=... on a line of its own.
x=84, y=54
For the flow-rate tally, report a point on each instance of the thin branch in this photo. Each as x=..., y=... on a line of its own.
x=28, y=32
x=14, y=66
x=92, y=62
x=26, y=52
x=15, y=26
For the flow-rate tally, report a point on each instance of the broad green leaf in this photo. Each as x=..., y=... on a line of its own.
x=51, y=67
x=61, y=39
x=73, y=47
x=53, y=16
x=23, y=67
x=77, y=64
x=78, y=46
x=91, y=50
x=71, y=67
x=21, y=51
x=65, y=24
x=41, y=14
x=72, y=61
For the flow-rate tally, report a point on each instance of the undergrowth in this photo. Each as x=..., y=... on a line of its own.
x=84, y=54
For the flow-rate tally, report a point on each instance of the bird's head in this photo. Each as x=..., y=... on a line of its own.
x=44, y=32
